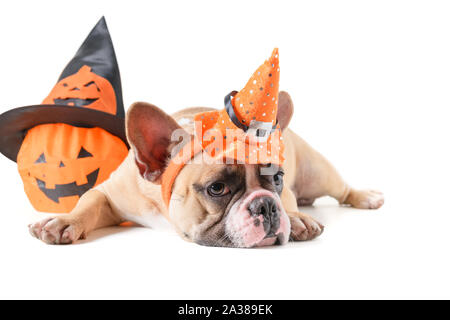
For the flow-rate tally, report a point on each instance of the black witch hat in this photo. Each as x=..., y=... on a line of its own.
x=88, y=94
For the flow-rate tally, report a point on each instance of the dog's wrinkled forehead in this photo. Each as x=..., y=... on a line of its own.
x=222, y=172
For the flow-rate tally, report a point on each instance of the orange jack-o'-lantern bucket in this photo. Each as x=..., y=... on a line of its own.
x=76, y=138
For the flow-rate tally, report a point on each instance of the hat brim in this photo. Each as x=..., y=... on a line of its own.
x=15, y=123
x=234, y=149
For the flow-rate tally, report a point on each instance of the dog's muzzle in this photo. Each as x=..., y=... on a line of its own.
x=267, y=208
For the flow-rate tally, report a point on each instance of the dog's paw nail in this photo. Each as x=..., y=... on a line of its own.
x=54, y=231
x=305, y=228
x=68, y=235
x=374, y=200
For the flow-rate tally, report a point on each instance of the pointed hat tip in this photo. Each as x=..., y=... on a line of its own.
x=101, y=22
x=274, y=57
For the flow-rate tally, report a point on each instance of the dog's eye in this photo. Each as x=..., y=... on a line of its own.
x=218, y=189
x=278, y=178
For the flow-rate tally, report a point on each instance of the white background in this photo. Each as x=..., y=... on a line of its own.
x=370, y=82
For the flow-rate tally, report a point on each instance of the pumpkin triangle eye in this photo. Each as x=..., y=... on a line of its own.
x=84, y=153
x=41, y=159
x=61, y=164
x=92, y=83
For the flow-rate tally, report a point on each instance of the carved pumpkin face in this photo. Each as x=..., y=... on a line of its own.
x=84, y=89
x=59, y=162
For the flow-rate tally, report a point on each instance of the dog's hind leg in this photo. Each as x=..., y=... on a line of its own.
x=315, y=177
x=92, y=212
x=327, y=181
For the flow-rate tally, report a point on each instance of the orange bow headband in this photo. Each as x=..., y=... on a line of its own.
x=245, y=131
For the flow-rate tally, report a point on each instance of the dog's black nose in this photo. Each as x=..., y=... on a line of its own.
x=264, y=206
x=268, y=209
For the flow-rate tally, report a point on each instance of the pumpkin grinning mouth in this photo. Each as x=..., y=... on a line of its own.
x=68, y=189
x=75, y=102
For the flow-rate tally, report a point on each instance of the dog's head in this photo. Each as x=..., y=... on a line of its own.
x=231, y=205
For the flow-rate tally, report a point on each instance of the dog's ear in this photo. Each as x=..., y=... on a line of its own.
x=149, y=131
x=285, y=109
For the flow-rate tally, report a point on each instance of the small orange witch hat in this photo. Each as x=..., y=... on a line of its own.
x=258, y=100
x=246, y=130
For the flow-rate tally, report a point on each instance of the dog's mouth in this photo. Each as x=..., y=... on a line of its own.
x=68, y=189
x=258, y=220
x=272, y=240
x=75, y=102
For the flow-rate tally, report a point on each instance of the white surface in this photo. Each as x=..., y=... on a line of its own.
x=371, y=87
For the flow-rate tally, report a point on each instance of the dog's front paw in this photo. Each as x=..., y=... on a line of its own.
x=303, y=228
x=365, y=199
x=56, y=231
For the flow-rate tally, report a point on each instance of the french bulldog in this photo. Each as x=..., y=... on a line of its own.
x=226, y=205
